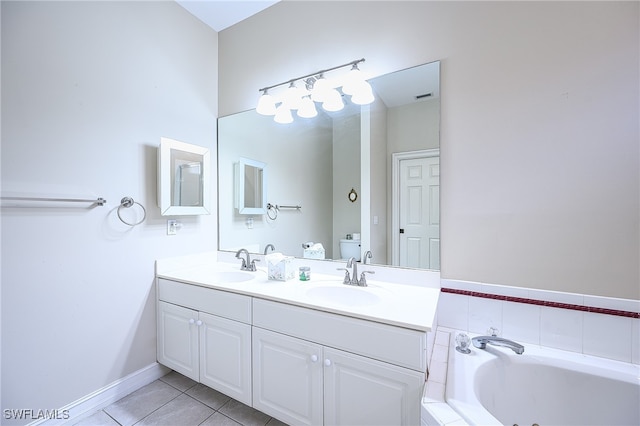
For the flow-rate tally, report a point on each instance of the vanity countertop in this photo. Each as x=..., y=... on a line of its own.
x=402, y=305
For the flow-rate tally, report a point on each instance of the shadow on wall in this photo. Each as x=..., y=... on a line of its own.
x=139, y=340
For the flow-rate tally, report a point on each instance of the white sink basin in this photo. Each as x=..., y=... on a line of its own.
x=226, y=277
x=343, y=295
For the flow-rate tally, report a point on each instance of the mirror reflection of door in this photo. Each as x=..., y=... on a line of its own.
x=187, y=189
x=187, y=172
x=252, y=186
x=419, y=207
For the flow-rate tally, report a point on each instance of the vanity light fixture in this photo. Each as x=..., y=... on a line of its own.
x=317, y=88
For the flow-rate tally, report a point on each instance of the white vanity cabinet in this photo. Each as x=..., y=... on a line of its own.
x=205, y=334
x=301, y=365
x=302, y=375
x=287, y=373
x=178, y=341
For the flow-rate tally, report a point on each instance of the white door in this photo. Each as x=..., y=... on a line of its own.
x=287, y=378
x=178, y=339
x=419, y=213
x=225, y=356
x=363, y=391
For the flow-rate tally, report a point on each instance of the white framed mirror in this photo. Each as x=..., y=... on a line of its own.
x=251, y=187
x=183, y=179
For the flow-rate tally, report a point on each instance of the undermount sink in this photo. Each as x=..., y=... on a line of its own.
x=343, y=295
x=225, y=277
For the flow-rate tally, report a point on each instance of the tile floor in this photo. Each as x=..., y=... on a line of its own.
x=177, y=400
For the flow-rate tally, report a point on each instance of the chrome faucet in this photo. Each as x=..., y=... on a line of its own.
x=248, y=264
x=480, y=342
x=367, y=255
x=353, y=278
x=269, y=246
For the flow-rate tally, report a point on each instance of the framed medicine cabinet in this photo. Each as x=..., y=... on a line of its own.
x=183, y=179
x=250, y=186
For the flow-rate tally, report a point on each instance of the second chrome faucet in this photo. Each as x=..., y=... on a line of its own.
x=352, y=279
x=247, y=264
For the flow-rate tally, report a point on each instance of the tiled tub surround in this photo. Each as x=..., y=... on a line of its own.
x=542, y=386
x=552, y=319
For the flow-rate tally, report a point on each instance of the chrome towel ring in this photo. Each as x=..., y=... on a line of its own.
x=272, y=211
x=127, y=202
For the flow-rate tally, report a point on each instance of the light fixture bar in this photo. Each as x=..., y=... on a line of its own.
x=312, y=74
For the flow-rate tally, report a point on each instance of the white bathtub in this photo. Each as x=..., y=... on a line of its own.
x=543, y=386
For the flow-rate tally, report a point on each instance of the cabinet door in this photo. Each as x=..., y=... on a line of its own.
x=363, y=391
x=178, y=339
x=225, y=356
x=287, y=378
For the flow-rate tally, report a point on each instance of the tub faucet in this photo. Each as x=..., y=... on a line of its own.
x=367, y=255
x=480, y=342
x=269, y=246
x=248, y=264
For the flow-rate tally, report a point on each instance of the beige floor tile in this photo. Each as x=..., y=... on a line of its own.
x=206, y=395
x=244, y=414
x=183, y=411
x=99, y=418
x=178, y=381
x=219, y=419
x=139, y=404
x=275, y=422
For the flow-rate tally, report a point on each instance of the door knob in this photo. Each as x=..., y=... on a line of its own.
x=191, y=321
x=314, y=358
x=199, y=323
x=327, y=362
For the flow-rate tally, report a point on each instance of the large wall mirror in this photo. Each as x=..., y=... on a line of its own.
x=387, y=153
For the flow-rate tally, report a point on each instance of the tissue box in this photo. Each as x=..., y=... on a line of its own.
x=313, y=253
x=280, y=268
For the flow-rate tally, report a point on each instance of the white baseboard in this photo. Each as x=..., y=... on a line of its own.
x=105, y=396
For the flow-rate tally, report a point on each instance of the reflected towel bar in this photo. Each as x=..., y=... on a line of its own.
x=99, y=201
x=278, y=206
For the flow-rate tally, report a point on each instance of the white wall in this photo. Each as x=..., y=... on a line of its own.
x=539, y=131
x=346, y=176
x=380, y=185
x=88, y=89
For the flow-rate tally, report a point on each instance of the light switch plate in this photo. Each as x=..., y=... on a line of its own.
x=172, y=227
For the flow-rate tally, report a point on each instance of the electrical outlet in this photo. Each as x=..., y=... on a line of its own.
x=172, y=227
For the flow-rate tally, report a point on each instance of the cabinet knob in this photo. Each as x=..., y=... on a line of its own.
x=192, y=321
x=314, y=358
x=327, y=362
x=199, y=323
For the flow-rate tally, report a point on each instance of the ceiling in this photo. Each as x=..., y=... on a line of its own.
x=221, y=14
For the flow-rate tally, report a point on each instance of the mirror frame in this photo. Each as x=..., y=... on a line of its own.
x=240, y=187
x=165, y=182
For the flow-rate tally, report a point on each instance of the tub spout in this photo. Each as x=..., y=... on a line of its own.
x=481, y=343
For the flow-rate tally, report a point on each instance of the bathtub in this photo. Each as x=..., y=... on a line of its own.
x=542, y=386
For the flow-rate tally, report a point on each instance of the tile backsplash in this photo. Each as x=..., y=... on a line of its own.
x=566, y=322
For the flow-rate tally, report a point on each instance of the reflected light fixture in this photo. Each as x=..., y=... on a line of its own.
x=317, y=88
x=307, y=108
x=283, y=115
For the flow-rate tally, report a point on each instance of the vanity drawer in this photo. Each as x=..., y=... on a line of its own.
x=221, y=303
x=396, y=345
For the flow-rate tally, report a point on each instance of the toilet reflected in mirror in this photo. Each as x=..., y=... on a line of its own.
x=350, y=248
